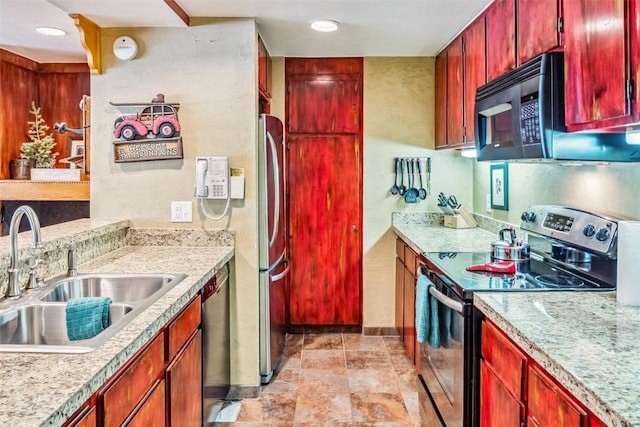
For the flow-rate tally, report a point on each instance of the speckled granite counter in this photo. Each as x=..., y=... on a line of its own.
x=585, y=339
x=425, y=233
x=45, y=389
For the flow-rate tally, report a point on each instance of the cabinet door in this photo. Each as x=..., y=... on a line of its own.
x=537, y=26
x=334, y=100
x=152, y=411
x=441, y=100
x=400, y=297
x=455, y=94
x=264, y=70
x=85, y=418
x=548, y=405
x=501, y=38
x=508, y=361
x=596, y=62
x=409, y=313
x=184, y=379
x=128, y=388
x=475, y=73
x=498, y=408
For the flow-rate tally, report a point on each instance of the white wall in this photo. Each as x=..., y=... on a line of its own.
x=210, y=68
x=398, y=121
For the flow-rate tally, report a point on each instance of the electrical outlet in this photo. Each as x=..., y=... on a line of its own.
x=181, y=212
x=487, y=203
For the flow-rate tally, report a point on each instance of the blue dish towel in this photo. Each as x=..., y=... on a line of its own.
x=427, y=322
x=87, y=317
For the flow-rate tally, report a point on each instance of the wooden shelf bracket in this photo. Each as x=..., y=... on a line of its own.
x=90, y=39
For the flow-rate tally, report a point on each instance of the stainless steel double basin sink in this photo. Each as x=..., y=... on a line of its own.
x=38, y=323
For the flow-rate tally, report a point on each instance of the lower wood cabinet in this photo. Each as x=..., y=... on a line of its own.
x=515, y=389
x=406, y=266
x=161, y=385
x=152, y=409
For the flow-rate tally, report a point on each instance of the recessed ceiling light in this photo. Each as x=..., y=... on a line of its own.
x=50, y=31
x=324, y=25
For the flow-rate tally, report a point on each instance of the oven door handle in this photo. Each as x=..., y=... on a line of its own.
x=449, y=302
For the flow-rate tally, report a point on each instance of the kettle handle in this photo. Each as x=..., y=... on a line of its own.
x=502, y=232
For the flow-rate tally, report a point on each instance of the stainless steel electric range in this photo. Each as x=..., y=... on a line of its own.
x=570, y=250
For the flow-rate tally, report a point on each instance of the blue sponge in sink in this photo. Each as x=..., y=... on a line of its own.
x=87, y=317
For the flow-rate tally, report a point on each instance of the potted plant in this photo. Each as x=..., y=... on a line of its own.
x=40, y=149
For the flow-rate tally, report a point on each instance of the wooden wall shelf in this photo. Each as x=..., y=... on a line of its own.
x=15, y=189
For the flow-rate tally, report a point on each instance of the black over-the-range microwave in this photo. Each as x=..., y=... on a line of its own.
x=520, y=116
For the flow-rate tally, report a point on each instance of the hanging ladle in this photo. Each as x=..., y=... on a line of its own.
x=402, y=189
x=412, y=193
x=422, y=193
x=395, y=189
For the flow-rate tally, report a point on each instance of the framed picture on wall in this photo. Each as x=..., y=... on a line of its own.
x=499, y=174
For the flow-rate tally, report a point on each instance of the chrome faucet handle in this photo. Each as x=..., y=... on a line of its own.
x=34, y=281
x=71, y=260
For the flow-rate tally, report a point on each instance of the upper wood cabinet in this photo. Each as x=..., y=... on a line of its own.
x=455, y=93
x=598, y=84
x=501, y=38
x=441, y=100
x=538, y=27
x=264, y=70
x=460, y=70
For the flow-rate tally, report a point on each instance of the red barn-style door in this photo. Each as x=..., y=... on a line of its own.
x=324, y=137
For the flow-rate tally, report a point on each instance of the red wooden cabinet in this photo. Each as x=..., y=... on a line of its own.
x=597, y=58
x=475, y=73
x=514, y=387
x=548, y=405
x=502, y=369
x=455, y=93
x=151, y=411
x=184, y=379
x=498, y=408
x=264, y=69
x=537, y=27
x=323, y=105
x=460, y=70
x=441, y=99
x=501, y=38
x=406, y=265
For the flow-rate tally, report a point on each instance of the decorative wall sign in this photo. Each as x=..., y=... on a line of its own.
x=150, y=149
x=499, y=186
x=152, y=133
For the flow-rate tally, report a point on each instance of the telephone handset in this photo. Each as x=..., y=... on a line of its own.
x=212, y=177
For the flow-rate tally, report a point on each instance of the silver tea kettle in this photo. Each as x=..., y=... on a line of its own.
x=513, y=249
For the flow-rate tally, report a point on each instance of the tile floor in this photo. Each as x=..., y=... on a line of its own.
x=339, y=380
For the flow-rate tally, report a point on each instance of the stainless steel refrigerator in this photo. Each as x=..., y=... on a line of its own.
x=272, y=243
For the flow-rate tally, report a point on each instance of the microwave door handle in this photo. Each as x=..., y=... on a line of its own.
x=445, y=300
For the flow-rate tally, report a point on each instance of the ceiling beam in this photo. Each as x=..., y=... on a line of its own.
x=175, y=7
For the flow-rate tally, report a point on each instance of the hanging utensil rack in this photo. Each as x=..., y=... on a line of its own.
x=415, y=170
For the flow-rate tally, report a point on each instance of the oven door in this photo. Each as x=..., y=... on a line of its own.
x=442, y=367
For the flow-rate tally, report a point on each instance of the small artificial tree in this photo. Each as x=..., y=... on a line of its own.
x=41, y=146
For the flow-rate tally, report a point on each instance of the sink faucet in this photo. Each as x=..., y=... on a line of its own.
x=13, y=291
x=72, y=271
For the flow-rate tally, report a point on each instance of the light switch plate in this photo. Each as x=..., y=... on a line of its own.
x=181, y=212
x=487, y=203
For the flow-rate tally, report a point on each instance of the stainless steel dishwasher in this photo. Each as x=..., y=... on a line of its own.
x=215, y=349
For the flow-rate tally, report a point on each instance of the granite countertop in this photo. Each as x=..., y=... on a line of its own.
x=586, y=340
x=45, y=389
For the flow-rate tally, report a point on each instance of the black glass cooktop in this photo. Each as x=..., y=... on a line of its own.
x=530, y=276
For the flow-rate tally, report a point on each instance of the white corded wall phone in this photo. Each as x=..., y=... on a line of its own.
x=213, y=182
x=212, y=177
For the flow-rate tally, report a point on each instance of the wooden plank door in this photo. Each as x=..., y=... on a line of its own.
x=325, y=190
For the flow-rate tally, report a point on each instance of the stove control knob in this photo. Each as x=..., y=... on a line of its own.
x=602, y=235
x=528, y=216
x=589, y=230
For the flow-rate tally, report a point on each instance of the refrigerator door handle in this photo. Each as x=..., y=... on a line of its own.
x=279, y=276
x=276, y=189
